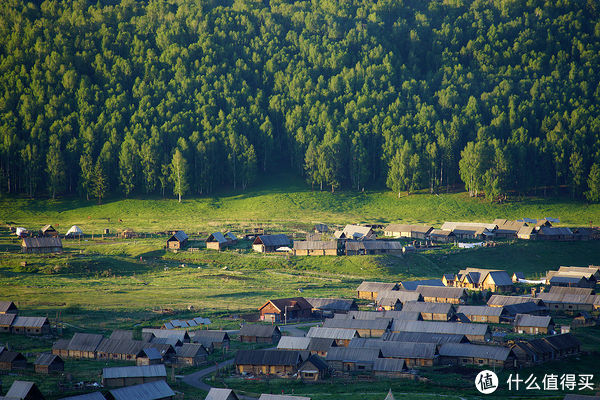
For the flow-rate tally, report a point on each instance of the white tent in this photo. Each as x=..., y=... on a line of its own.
x=74, y=231
x=20, y=231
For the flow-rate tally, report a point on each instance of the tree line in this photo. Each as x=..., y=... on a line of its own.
x=182, y=96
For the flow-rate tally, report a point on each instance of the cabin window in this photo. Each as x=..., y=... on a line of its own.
x=361, y=367
x=309, y=374
x=465, y=360
x=480, y=361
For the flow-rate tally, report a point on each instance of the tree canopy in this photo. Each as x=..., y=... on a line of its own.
x=97, y=97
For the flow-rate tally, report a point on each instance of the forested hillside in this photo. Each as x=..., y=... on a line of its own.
x=186, y=96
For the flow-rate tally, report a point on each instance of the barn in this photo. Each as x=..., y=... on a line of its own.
x=283, y=363
x=315, y=248
x=30, y=325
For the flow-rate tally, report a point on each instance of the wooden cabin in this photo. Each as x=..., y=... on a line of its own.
x=177, y=241
x=212, y=339
x=473, y=354
x=221, y=394
x=313, y=369
x=486, y=314
x=41, y=245
x=270, y=243
x=315, y=248
x=191, y=354
x=30, y=326
x=260, y=334
x=350, y=360
x=342, y=337
x=533, y=324
x=23, y=390
x=431, y=311
x=279, y=310
x=49, y=231
x=282, y=363
x=370, y=290
x=47, y=363
x=12, y=360
x=442, y=236
x=217, y=241
x=408, y=231
x=435, y=294
x=8, y=307
x=134, y=375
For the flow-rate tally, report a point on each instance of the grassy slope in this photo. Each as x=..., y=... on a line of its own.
x=290, y=205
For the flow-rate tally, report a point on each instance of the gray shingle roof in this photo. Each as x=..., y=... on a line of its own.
x=481, y=310
x=41, y=242
x=7, y=306
x=190, y=350
x=421, y=337
x=376, y=287
x=85, y=342
x=350, y=354
x=412, y=285
x=428, y=308
x=273, y=240
x=315, y=245
x=442, y=292
x=394, y=349
x=135, y=371
x=123, y=346
x=119, y=334
x=375, y=324
x=389, y=365
x=440, y=327
x=167, y=333
x=145, y=391
x=501, y=278
x=268, y=357
x=258, y=330
x=502, y=300
x=217, y=237
x=294, y=343
x=46, y=359
x=474, y=350
x=19, y=389
x=331, y=304
x=180, y=236
x=331, y=333
x=29, y=322
x=214, y=336
x=532, y=320
x=7, y=319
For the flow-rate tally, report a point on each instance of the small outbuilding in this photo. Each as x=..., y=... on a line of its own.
x=49, y=231
x=39, y=245
x=270, y=243
x=11, y=360
x=73, y=232
x=47, y=363
x=533, y=324
x=260, y=334
x=23, y=390
x=177, y=241
x=221, y=394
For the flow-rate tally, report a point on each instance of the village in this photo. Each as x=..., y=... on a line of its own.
x=387, y=331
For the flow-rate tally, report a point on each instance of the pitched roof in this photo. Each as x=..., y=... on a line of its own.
x=259, y=330
x=272, y=240
x=157, y=370
x=20, y=389
x=220, y=394
x=498, y=353
x=440, y=327
x=9, y=356
x=376, y=286
x=422, y=337
x=563, y=341
x=532, y=320
x=6, y=306
x=190, y=350
x=331, y=333
x=450, y=226
x=214, y=336
x=320, y=344
x=412, y=285
x=150, y=353
x=389, y=365
x=217, y=237
x=552, y=231
x=350, y=354
x=179, y=236
x=523, y=308
x=40, y=242
x=331, y=304
x=7, y=319
x=268, y=357
x=315, y=245
x=373, y=245
x=424, y=229
x=394, y=349
x=441, y=233
x=30, y=322
x=428, y=307
x=390, y=297
x=181, y=335
x=292, y=303
x=355, y=324
x=500, y=278
x=571, y=290
x=566, y=298
x=441, y=292
x=356, y=231
x=46, y=359
x=293, y=343
x=145, y=391
x=481, y=310
x=122, y=346
x=119, y=334
x=502, y=300
x=85, y=342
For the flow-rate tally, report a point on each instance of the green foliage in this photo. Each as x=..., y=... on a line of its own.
x=330, y=91
x=179, y=174
x=593, y=194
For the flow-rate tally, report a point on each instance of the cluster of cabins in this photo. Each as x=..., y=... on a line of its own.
x=12, y=322
x=584, y=277
x=157, y=346
x=393, y=343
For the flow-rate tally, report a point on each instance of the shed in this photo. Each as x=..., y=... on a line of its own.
x=83, y=345
x=270, y=243
x=49, y=231
x=408, y=231
x=119, y=349
x=389, y=368
x=30, y=325
x=395, y=299
x=191, y=354
x=158, y=390
x=442, y=236
x=217, y=241
x=364, y=328
x=283, y=363
x=11, y=360
x=313, y=369
x=260, y=334
x=372, y=247
x=431, y=311
x=326, y=307
x=134, y=375
x=6, y=321
x=294, y=343
x=487, y=314
x=148, y=356
x=315, y=248
x=47, y=363
x=39, y=245
x=346, y=359
x=421, y=337
x=342, y=337
x=177, y=241
x=179, y=335
x=356, y=232
x=212, y=339
x=370, y=290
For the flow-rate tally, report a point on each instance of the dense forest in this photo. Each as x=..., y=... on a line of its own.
x=187, y=96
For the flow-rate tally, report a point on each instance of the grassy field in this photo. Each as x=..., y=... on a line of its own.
x=287, y=206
